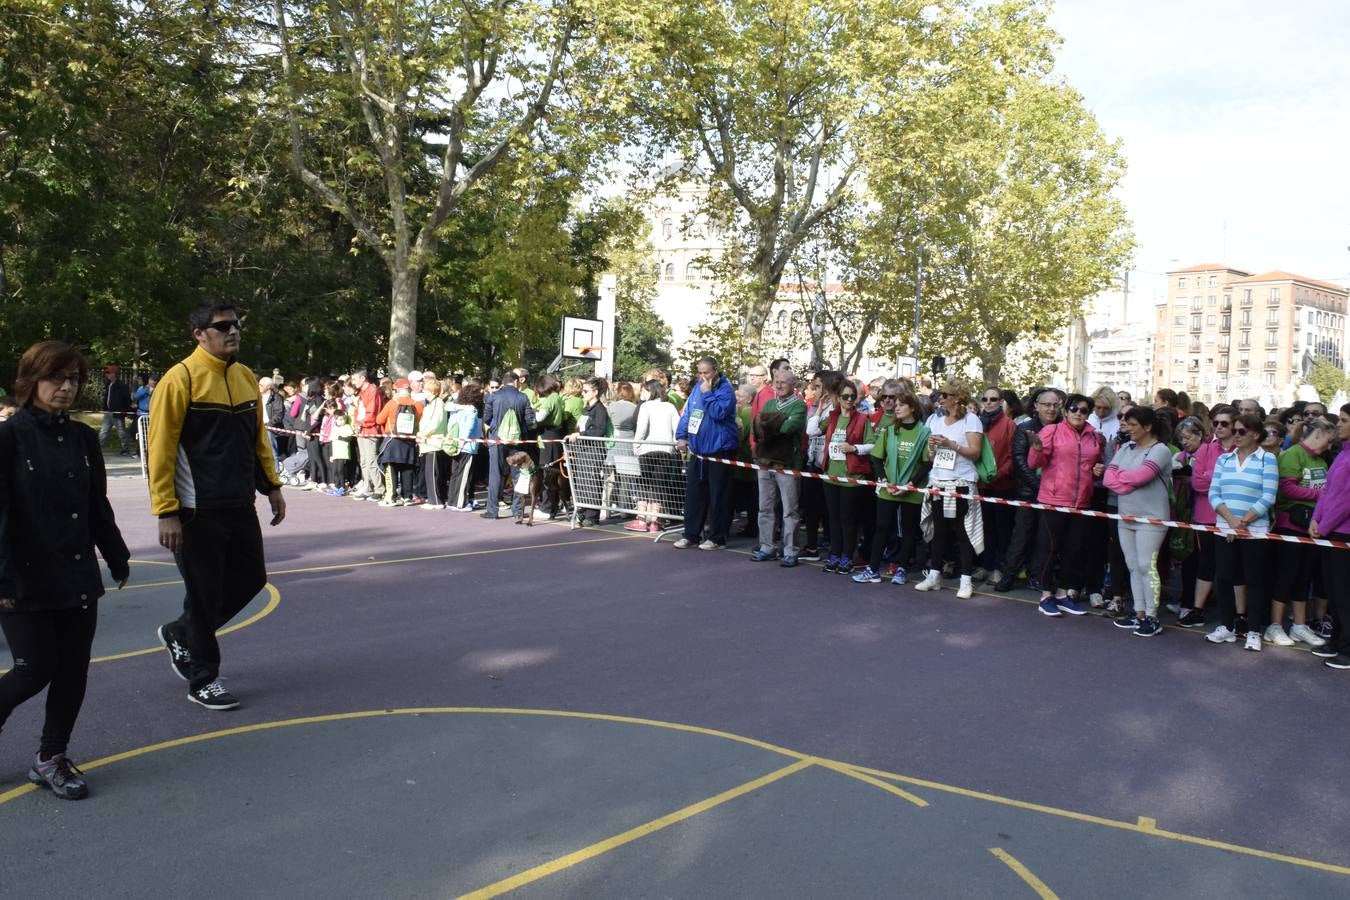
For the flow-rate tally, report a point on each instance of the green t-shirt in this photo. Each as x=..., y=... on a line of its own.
x=676, y=398
x=550, y=412
x=572, y=407
x=1310, y=472
x=906, y=438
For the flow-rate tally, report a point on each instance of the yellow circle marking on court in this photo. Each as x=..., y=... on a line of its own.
x=875, y=777
x=273, y=600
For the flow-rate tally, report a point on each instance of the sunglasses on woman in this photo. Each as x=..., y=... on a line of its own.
x=1240, y=432
x=993, y=399
x=1081, y=410
x=848, y=396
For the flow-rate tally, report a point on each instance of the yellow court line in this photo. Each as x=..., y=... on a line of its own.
x=151, y=584
x=273, y=599
x=153, y=562
x=874, y=782
x=1139, y=828
x=618, y=840
x=1025, y=874
x=710, y=732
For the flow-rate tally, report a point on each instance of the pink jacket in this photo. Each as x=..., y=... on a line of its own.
x=1066, y=458
x=1202, y=476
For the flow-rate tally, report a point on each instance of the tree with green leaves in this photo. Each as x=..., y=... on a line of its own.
x=396, y=111
x=1327, y=379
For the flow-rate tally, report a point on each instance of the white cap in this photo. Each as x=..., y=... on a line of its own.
x=414, y=375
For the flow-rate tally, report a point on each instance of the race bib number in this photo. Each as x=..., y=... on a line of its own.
x=582, y=422
x=837, y=446
x=815, y=446
x=945, y=458
x=1314, y=478
x=695, y=420
x=405, y=421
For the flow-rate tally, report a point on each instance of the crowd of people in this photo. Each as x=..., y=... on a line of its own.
x=894, y=480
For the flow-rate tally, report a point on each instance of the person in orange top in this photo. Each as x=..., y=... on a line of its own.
x=399, y=420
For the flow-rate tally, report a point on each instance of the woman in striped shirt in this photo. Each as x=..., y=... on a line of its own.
x=1243, y=492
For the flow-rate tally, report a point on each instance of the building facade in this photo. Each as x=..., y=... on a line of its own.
x=1122, y=358
x=1224, y=333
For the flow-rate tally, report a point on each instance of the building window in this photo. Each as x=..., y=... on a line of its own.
x=1273, y=317
x=1272, y=338
x=1246, y=296
x=1227, y=321
x=1179, y=341
x=1227, y=301
x=782, y=319
x=667, y=228
x=1212, y=300
x=1243, y=362
x=1245, y=340
x=1223, y=342
x=1179, y=321
x=1213, y=280
x=1211, y=319
x=1246, y=318
x=1223, y=363
x=1312, y=317
x=1307, y=338
x=1275, y=295
x=1197, y=302
x=1195, y=322
x=690, y=271
x=670, y=271
x=1181, y=282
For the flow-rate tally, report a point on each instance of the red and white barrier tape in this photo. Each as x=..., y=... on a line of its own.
x=1027, y=504
x=413, y=437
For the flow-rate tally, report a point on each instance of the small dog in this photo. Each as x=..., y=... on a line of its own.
x=526, y=475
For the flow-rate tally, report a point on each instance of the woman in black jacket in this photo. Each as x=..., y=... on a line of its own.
x=54, y=511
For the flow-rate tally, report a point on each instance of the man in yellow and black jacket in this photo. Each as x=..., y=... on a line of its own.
x=208, y=453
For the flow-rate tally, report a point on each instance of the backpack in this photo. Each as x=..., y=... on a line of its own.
x=987, y=466
x=508, y=429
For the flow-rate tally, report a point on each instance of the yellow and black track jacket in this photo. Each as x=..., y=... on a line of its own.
x=208, y=447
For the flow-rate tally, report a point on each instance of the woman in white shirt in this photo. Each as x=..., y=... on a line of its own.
x=660, y=481
x=954, y=444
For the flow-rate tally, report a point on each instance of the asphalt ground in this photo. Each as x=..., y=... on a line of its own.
x=435, y=705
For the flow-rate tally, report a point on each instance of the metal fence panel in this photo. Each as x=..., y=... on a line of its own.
x=622, y=476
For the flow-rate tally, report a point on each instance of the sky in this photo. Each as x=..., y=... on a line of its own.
x=1235, y=123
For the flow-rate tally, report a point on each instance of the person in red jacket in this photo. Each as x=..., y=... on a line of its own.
x=997, y=419
x=1069, y=455
x=368, y=404
x=399, y=420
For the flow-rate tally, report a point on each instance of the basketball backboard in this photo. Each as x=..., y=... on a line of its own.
x=583, y=338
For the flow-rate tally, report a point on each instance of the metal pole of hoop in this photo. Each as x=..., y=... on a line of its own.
x=142, y=443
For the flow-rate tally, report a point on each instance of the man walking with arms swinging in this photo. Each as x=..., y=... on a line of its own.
x=208, y=453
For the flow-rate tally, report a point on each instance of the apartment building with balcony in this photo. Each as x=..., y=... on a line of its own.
x=1122, y=358
x=1224, y=332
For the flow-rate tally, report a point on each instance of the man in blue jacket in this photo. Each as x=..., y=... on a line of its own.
x=496, y=406
x=708, y=428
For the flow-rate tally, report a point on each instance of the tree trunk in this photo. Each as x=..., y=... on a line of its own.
x=403, y=319
x=992, y=364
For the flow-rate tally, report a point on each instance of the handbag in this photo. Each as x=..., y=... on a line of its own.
x=1301, y=514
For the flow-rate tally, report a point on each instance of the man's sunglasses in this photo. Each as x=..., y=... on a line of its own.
x=885, y=397
x=225, y=325
x=1222, y=423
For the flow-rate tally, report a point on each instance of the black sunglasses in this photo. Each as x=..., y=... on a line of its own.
x=1240, y=432
x=885, y=397
x=992, y=399
x=224, y=325
x=942, y=395
x=1222, y=423
x=1080, y=409
x=848, y=396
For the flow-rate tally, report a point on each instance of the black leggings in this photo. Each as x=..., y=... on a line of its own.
x=49, y=647
x=1243, y=563
x=948, y=531
x=1062, y=534
x=887, y=523
x=844, y=505
x=813, y=511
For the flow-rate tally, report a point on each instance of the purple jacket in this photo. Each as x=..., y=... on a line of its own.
x=1333, y=507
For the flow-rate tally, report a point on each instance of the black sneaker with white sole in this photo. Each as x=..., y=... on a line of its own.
x=1339, y=661
x=179, y=655
x=213, y=696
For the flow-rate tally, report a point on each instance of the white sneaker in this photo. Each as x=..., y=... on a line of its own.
x=1275, y=634
x=932, y=581
x=1253, y=641
x=683, y=544
x=1306, y=635
x=978, y=575
x=1096, y=600
x=966, y=588
x=710, y=545
x=1221, y=635
x=433, y=506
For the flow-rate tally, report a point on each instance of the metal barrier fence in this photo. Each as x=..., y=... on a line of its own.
x=142, y=442
x=622, y=476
